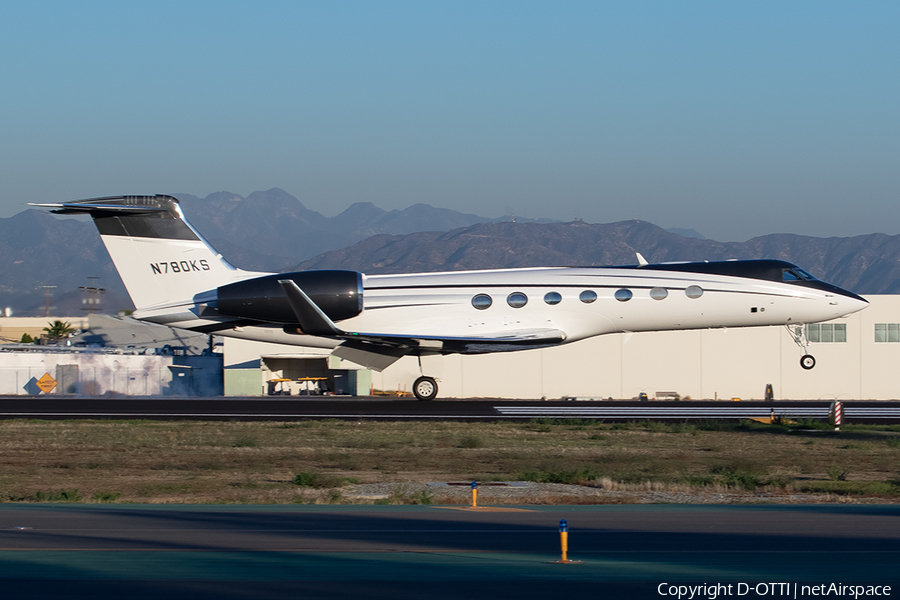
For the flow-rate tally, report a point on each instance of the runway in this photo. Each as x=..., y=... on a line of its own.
x=316, y=407
x=436, y=552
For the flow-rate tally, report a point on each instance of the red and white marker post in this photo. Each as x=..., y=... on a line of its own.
x=836, y=414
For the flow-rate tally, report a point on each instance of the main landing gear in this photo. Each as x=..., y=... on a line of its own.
x=798, y=334
x=425, y=388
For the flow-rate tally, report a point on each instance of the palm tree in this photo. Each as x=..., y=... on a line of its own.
x=58, y=330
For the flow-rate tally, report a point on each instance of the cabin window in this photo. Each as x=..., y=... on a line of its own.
x=887, y=332
x=659, y=293
x=587, y=296
x=482, y=301
x=552, y=298
x=517, y=299
x=623, y=295
x=693, y=291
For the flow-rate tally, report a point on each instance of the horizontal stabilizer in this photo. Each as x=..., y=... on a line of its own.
x=112, y=204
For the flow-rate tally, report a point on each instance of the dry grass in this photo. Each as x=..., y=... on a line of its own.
x=261, y=462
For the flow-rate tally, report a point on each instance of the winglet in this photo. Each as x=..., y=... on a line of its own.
x=311, y=318
x=642, y=262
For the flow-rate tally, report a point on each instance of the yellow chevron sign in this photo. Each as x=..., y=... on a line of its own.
x=46, y=383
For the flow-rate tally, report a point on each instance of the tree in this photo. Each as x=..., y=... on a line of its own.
x=58, y=330
x=26, y=339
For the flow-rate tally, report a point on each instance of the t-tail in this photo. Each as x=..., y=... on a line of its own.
x=164, y=263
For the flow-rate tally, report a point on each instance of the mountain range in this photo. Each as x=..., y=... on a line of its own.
x=273, y=231
x=866, y=264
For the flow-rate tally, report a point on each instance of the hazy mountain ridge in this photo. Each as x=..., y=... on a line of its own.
x=250, y=227
x=868, y=264
x=273, y=231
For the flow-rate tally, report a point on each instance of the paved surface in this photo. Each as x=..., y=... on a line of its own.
x=300, y=407
x=438, y=552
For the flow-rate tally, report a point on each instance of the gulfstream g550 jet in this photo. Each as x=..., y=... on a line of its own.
x=174, y=277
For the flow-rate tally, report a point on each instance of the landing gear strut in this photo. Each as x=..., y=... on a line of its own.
x=798, y=334
x=425, y=388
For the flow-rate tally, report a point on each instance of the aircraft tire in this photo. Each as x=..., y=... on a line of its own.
x=807, y=361
x=425, y=388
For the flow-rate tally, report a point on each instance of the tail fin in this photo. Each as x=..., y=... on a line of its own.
x=162, y=260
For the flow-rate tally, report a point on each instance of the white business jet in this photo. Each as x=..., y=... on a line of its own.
x=175, y=278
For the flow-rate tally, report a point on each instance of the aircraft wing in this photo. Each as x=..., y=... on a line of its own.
x=379, y=350
x=523, y=337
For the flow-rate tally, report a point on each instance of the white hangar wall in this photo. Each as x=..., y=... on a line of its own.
x=716, y=363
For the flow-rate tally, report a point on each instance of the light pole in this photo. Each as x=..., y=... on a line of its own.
x=46, y=298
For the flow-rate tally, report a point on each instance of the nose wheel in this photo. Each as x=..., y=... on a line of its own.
x=798, y=334
x=425, y=388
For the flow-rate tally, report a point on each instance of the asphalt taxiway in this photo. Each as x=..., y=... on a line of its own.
x=434, y=551
x=339, y=407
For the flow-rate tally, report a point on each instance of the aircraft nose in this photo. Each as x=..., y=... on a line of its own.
x=848, y=302
x=842, y=301
x=858, y=303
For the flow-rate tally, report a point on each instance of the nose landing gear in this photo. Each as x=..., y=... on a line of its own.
x=798, y=334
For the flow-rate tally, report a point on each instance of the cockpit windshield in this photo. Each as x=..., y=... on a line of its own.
x=763, y=269
x=796, y=274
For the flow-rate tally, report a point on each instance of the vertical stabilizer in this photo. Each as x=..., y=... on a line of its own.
x=162, y=260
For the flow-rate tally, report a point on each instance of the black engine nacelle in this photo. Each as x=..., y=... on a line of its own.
x=338, y=293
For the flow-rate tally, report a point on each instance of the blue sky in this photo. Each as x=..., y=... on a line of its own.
x=735, y=119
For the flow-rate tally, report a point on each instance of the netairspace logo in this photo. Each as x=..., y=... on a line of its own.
x=711, y=591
